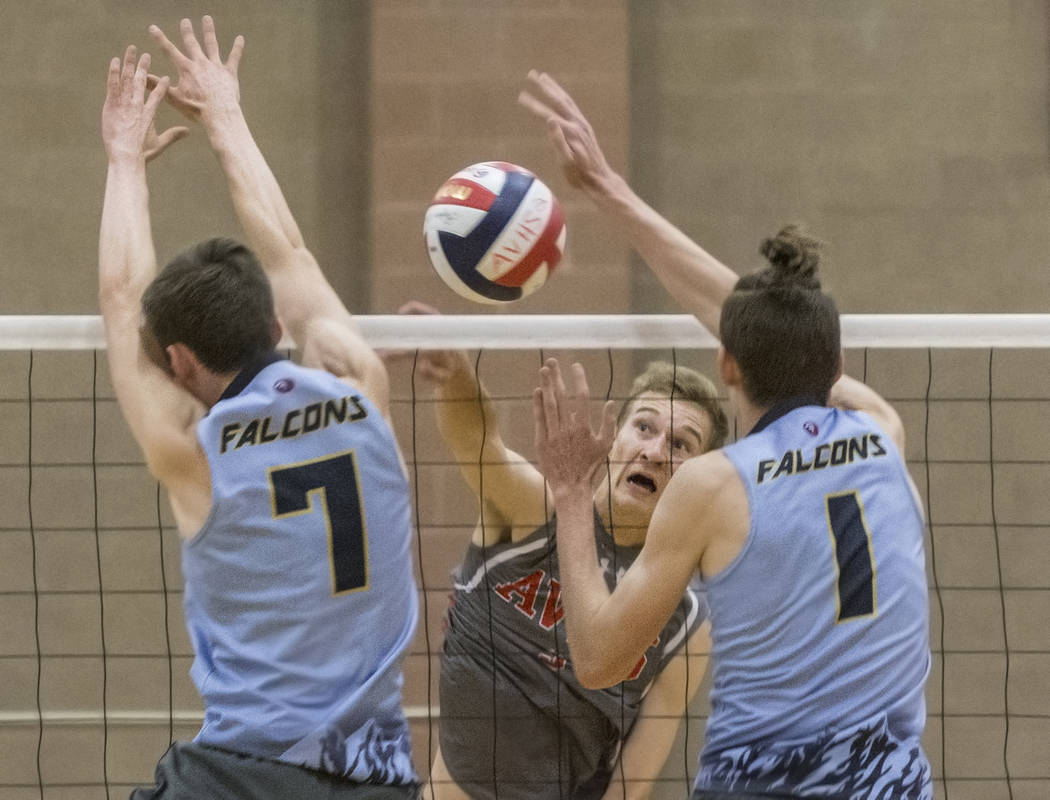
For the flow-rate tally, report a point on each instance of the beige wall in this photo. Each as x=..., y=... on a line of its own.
x=304, y=89
x=913, y=137
x=445, y=79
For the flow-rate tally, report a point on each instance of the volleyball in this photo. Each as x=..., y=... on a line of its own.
x=494, y=232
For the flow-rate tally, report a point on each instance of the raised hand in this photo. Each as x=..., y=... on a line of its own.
x=439, y=366
x=575, y=144
x=128, y=129
x=157, y=143
x=568, y=449
x=206, y=83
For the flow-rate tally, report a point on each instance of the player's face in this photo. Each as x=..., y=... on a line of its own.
x=654, y=438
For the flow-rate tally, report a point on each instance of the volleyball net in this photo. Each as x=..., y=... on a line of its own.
x=94, y=655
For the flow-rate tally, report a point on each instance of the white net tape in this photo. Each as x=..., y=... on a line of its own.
x=525, y=331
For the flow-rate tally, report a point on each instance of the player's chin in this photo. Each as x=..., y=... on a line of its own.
x=635, y=505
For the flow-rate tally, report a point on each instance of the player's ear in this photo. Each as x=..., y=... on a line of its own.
x=183, y=362
x=728, y=369
x=153, y=350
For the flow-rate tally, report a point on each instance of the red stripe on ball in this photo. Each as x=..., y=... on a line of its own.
x=545, y=249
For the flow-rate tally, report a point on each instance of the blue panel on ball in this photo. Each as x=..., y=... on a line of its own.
x=464, y=252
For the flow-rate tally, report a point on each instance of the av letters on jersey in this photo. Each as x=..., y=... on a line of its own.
x=524, y=593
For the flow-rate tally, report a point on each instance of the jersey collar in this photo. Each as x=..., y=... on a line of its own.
x=786, y=407
x=249, y=371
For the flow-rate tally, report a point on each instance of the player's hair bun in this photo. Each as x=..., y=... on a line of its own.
x=794, y=258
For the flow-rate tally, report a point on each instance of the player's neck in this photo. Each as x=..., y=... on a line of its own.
x=627, y=529
x=189, y=372
x=746, y=413
x=210, y=386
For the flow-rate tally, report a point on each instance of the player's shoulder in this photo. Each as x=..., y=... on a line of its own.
x=337, y=347
x=711, y=472
x=703, y=484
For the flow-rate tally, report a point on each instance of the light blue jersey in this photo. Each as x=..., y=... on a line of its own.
x=820, y=625
x=300, y=598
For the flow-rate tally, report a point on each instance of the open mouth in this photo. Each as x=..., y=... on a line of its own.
x=638, y=479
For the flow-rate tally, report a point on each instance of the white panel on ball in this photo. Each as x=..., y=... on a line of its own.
x=494, y=232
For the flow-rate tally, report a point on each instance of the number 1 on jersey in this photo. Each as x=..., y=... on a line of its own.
x=335, y=481
x=854, y=559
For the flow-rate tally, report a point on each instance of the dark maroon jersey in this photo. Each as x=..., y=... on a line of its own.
x=513, y=714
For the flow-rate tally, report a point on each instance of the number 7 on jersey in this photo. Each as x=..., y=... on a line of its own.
x=334, y=481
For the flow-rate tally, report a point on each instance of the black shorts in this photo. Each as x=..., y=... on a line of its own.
x=190, y=771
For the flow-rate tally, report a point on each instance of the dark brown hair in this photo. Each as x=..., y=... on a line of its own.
x=780, y=327
x=215, y=298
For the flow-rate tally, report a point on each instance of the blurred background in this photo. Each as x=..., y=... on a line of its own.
x=912, y=137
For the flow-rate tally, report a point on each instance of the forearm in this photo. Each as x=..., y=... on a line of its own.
x=641, y=763
x=256, y=195
x=127, y=264
x=850, y=393
x=649, y=743
x=698, y=280
x=467, y=421
x=127, y=261
x=584, y=592
x=464, y=409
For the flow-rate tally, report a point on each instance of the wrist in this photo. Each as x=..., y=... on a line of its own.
x=221, y=120
x=126, y=159
x=572, y=495
x=460, y=384
x=609, y=191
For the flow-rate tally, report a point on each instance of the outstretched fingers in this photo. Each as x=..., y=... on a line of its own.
x=138, y=81
x=607, y=430
x=416, y=307
x=113, y=80
x=236, y=51
x=211, y=45
x=554, y=96
x=556, y=133
x=559, y=381
x=539, y=418
x=548, y=387
x=157, y=143
x=580, y=407
x=189, y=39
x=165, y=44
x=211, y=41
x=132, y=98
x=580, y=394
x=156, y=95
x=529, y=101
x=127, y=71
